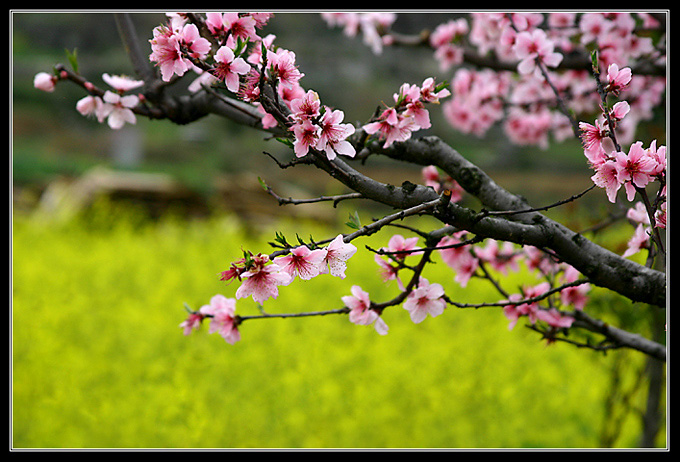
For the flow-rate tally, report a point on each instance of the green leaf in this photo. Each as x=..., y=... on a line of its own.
x=73, y=59
x=281, y=239
x=594, y=61
x=354, y=221
x=287, y=141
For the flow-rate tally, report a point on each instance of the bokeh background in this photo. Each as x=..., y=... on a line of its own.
x=114, y=231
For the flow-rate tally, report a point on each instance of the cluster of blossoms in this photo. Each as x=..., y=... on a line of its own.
x=372, y=26
x=178, y=48
x=408, y=114
x=114, y=107
x=261, y=276
x=446, y=40
x=466, y=260
x=524, y=101
x=319, y=127
x=634, y=170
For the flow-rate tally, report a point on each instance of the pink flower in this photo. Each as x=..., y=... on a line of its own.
x=617, y=79
x=512, y=312
x=240, y=26
x=533, y=47
x=392, y=127
x=282, y=66
x=192, y=322
x=91, y=106
x=302, y=262
x=228, y=68
x=428, y=91
x=165, y=52
x=530, y=309
x=420, y=115
x=306, y=107
x=634, y=169
x=460, y=259
x=639, y=241
x=449, y=55
x=431, y=176
x=44, y=81
x=554, y=318
x=660, y=216
x=388, y=271
x=576, y=295
x=465, y=268
x=397, y=243
x=333, y=134
x=337, y=254
x=306, y=136
x=592, y=136
x=448, y=32
x=196, y=46
x=118, y=109
x=606, y=176
x=425, y=299
x=658, y=157
x=262, y=281
x=619, y=110
x=361, y=313
x=638, y=214
x=593, y=26
x=499, y=258
x=224, y=320
x=122, y=83
x=167, y=47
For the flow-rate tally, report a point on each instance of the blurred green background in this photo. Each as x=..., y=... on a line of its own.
x=98, y=286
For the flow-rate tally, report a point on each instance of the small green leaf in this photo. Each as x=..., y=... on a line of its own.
x=263, y=184
x=354, y=221
x=281, y=239
x=73, y=59
x=286, y=141
x=594, y=61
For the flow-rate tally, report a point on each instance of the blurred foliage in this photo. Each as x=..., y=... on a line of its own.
x=100, y=362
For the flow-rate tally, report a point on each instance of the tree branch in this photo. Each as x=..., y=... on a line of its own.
x=603, y=267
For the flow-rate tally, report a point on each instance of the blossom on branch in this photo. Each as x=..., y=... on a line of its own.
x=122, y=83
x=533, y=48
x=45, y=82
x=117, y=109
x=337, y=254
x=617, y=79
x=261, y=281
x=302, y=262
x=223, y=320
x=332, y=135
x=361, y=313
x=228, y=68
x=633, y=169
x=425, y=299
x=168, y=48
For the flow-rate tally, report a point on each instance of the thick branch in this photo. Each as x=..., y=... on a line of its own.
x=603, y=267
x=620, y=337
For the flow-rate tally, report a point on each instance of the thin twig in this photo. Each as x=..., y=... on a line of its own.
x=537, y=298
x=485, y=213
